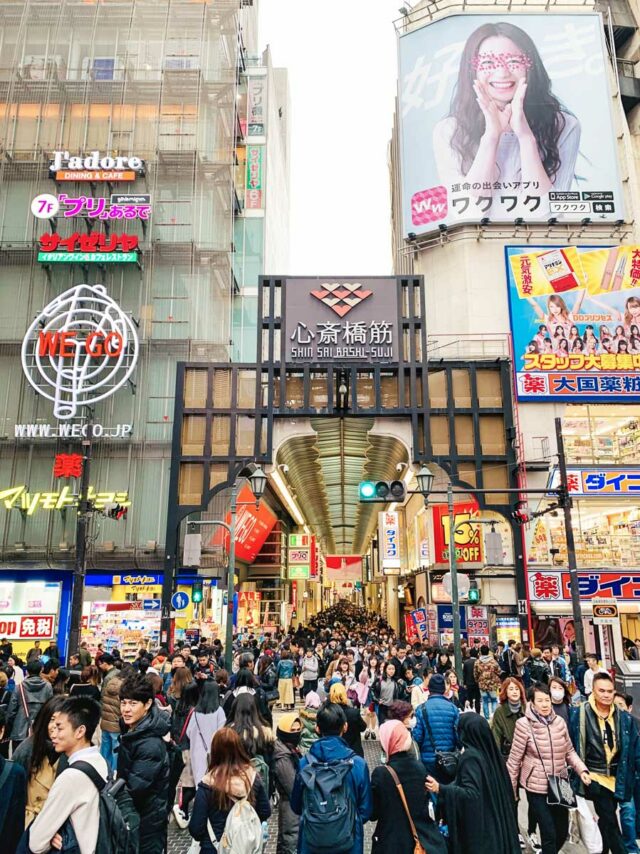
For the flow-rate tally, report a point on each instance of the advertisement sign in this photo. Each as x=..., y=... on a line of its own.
x=420, y=619
x=467, y=537
x=410, y=629
x=343, y=568
x=605, y=612
x=28, y=598
x=72, y=431
x=20, y=498
x=46, y=206
x=93, y=248
x=19, y=627
x=253, y=526
x=343, y=319
x=256, y=105
x=506, y=118
x=600, y=482
x=432, y=624
x=389, y=540
x=94, y=167
x=575, y=320
x=249, y=609
x=477, y=624
x=554, y=585
x=254, y=200
x=80, y=349
x=445, y=623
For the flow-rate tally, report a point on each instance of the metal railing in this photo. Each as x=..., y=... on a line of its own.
x=471, y=346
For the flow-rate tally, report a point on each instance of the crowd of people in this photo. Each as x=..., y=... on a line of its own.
x=101, y=754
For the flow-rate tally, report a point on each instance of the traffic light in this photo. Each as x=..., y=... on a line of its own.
x=473, y=597
x=382, y=491
x=115, y=511
x=196, y=592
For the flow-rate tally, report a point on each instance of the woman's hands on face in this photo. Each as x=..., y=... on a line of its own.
x=519, y=123
x=497, y=121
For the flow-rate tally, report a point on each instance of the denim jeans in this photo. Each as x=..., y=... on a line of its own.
x=628, y=825
x=108, y=746
x=489, y=703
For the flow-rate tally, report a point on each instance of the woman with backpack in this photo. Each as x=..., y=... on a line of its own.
x=286, y=760
x=206, y=720
x=398, y=816
x=256, y=737
x=231, y=785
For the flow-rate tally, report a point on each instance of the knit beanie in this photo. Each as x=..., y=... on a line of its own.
x=437, y=684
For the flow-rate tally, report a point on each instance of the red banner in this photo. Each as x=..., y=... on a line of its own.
x=253, y=526
x=344, y=568
x=37, y=627
x=468, y=538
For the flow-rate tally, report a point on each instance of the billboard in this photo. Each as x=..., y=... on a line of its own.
x=575, y=321
x=467, y=537
x=502, y=119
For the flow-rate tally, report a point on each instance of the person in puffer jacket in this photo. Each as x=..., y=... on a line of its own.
x=542, y=747
x=143, y=761
x=436, y=725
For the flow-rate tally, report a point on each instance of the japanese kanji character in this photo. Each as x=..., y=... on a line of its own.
x=328, y=332
x=28, y=626
x=49, y=242
x=128, y=242
x=89, y=242
x=70, y=242
x=75, y=205
x=354, y=333
x=463, y=200
x=486, y=185
x=608, y=361
x=505, y=199
x=591, y=361
x=532, y=384
x=43, y=626
x=587, y=384
x=497, y=185
x=109, y=246
x=68, y=465
x=594, y=481
x=563, y=384
x=302, y=334
x=573, y=482
x=380, y=332
x=546, y=586
x=631, y=384
x=611, y=384
x=466, y=186
x=481, y=201
x=455, y=188
x=95, y=208
x=624, y=362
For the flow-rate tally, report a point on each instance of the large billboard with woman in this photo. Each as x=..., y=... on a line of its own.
x=506, y=117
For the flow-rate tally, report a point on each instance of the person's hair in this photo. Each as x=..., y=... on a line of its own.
x=285, y=654
x=90, y=675
x=246, y=721
x=399, y=710
x=52, y=664
x=331, y=719
x=484, y=649
x=209, y=701
x=245, y=679
x=602, y=677
x=562, y=684
x=623, y=345
x=538, y=688
x=222, y=677
x=228, y=758
x=543, y=110
x=181, y=678
x=245, y=660
x=156, y=681
x=82, y=711
x=136, y=687
x=504, y=686
x=34, y=667
x=626, y=698
x=628, y=317
x=41, y=746
x=384, y=670
x=591, y=655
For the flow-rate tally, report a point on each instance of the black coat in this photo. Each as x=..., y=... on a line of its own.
x=392, y=832
x=355, y=726
x=143, y=764
x=12, y=805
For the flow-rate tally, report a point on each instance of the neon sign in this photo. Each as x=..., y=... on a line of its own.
x=20, y=498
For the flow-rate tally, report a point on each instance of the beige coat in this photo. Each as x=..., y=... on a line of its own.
x=38, y=789
x=110, y=697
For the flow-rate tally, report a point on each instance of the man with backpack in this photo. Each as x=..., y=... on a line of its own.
x=25, y=703
x=72, y=798
x=332, y=791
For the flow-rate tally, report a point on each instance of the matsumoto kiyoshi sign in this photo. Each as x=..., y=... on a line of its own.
x=80, y=349
x=341, y=319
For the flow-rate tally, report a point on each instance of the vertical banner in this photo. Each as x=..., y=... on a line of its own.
x=389, y=540
x=256, y=106
x=254, y=196
x=467, y=537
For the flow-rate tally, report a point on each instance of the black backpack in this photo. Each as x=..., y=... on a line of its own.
x=329, y=811
x=119, y=820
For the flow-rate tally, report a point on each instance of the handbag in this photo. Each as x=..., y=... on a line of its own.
x=418, y=847
x=26, y=709
x=446, y=760
x=559, y=791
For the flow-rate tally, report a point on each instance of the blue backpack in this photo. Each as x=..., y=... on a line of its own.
x=328, y=807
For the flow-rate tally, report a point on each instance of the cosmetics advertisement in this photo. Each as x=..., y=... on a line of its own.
x=506, y=117
x=575, y=321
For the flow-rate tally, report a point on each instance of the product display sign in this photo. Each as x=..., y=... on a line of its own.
x=467, y=537
x=555, y=585
x=575, y=321
x=345, y=319
x=505, y=117
x=80, y=349
x=96, y=166
x=606, y=481
x=253, y=526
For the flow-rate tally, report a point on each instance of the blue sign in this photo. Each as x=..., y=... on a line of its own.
x=445, y=618
x=151, y=604
x=179, y=601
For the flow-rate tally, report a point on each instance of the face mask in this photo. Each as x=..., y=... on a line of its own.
x=557, y=695
x=412, y=723
x=292, y=738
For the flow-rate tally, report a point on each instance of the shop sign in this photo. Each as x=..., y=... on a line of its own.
x=80, y=349
x=145, y=578
x=419, y=618
x=94, y=167
x=256, y=111
x=603, y=481
x=298, y=541
x=410, y=629
x=20, y=498
x=254, y=197
x=249, y=608
x=317, y=328
x=467, y=537
x=478, y=623
x=300, y=555
x=389, y=539
x=46, y=206
x=343, y=568
x=253, y=526
x=605, y=612
x=68, y=465
x=299, y=572
x=71, y=431
x=19, y=627
x=555, y=585
x=92, y=248
x=445, y=618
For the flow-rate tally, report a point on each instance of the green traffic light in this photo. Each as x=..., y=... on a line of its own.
x=196, y=593
x=474, y=595
x=367, y=490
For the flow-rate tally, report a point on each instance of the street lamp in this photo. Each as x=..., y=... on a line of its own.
x=425, y=483
x=258, y=483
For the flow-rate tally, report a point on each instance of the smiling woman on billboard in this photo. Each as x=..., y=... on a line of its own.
x=505, y=123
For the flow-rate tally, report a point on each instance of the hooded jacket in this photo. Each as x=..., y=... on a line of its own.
x=487, y=673
x=309, y=734
x=110, y=701
x=329, y=749
x=36, y=692
x=143, y=764
x=285, y=764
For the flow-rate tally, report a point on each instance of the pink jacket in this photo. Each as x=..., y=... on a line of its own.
x=529, y=763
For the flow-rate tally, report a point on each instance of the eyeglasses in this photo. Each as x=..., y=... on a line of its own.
x=513, y=62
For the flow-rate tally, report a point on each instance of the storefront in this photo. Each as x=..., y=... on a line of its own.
x=35, y=606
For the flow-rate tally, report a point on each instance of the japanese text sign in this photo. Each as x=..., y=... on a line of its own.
x=614, y=482
x=555, y=585
x=346, y=319
x=18, y=627
x=68, y=465
x=343, y=568
x=29, y=502
x=254, y=200
x=253, y=526
x=575, y=320
x=449, y=79
x=389, y=539
x=256, y=105
x=96, y=248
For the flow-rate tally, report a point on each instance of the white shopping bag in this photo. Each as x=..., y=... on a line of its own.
x=588, y=825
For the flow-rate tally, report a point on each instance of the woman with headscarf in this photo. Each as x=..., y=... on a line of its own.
x=206, y=720
x=478, y=806
x=286, y=760
x=393, y=831
x=355, y=721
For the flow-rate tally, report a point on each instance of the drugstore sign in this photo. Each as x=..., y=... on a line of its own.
x=600, y=482
x=555, y=586
x=389, y=538
x=20, y=498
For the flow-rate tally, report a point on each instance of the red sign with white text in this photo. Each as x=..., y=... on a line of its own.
x=468, y=538
x=253, y=526
x=548, y=585
x=37, y=627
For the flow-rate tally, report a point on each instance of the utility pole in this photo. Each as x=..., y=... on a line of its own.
x=228, y=638
x=82, y=524
x=571, y=546
x=453, y=569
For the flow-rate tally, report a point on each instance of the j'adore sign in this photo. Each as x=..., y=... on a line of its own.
x=346, y=318
x=95, y=166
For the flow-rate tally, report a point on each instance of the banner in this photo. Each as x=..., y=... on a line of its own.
x=610, y=482
x=253, y=526
x=467, y=537
x=340, y=568
x=575, y=321
x=505, y=117
x=554, y=585
x=389, y=540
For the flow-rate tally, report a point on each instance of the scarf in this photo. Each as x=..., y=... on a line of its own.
x=607, y=727
x=544, y=719
x=515, y=707
x=394, y=737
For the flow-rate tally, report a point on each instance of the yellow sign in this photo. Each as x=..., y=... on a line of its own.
x=18, y=497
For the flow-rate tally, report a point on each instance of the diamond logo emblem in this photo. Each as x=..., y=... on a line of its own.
x=341, y=297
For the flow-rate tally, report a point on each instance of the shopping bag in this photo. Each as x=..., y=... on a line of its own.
x=588, y=826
